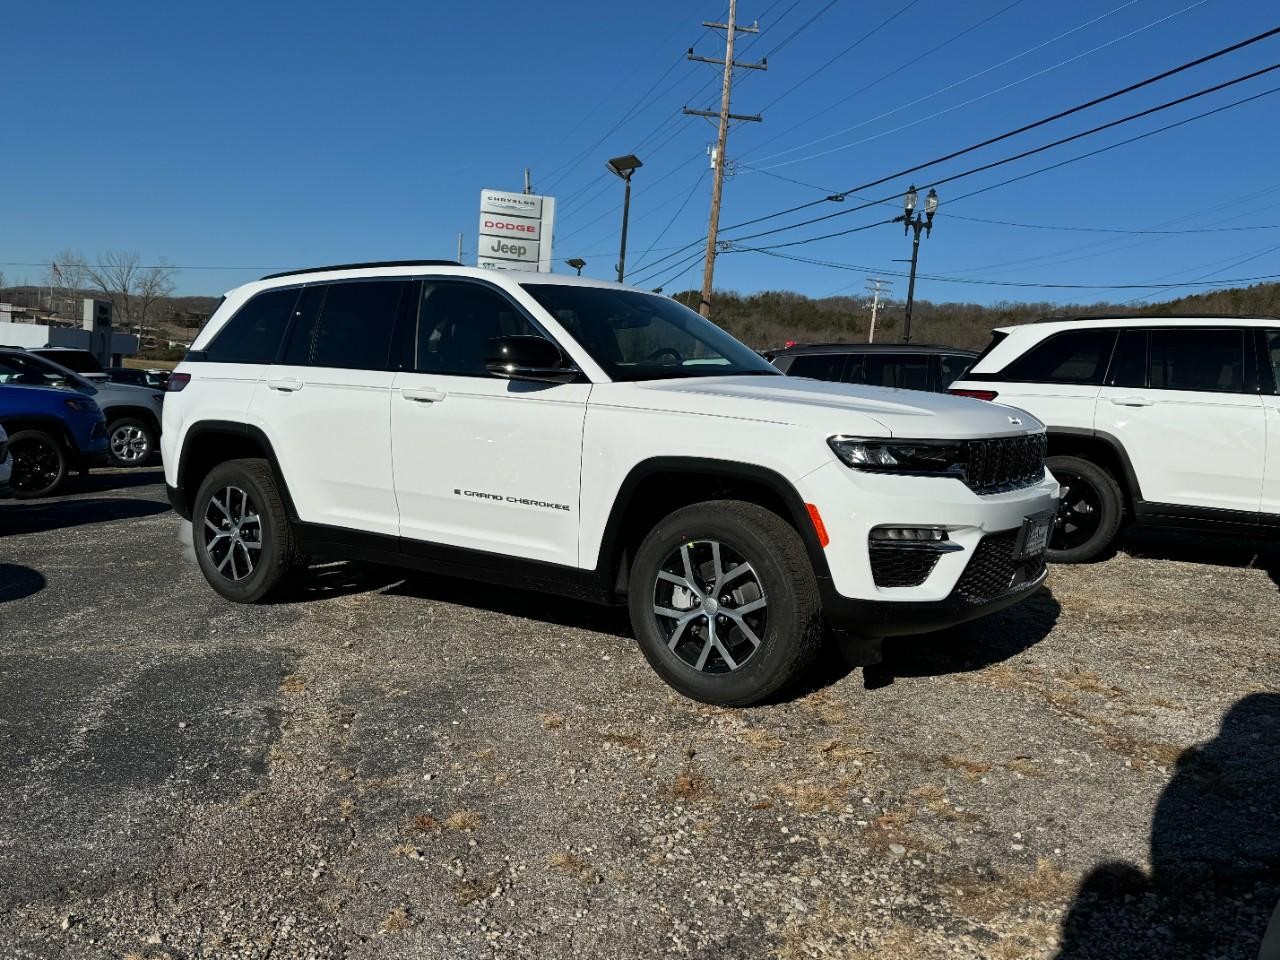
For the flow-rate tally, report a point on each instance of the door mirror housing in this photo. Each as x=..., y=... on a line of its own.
x=529, y=358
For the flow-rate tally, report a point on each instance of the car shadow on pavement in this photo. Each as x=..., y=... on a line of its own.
x=1215, y=857
x=970, y=646
x=531, y=605
x=59, y=514
x=17, y=581
x=117, y=480
x=1218, y=551
x=338, y=578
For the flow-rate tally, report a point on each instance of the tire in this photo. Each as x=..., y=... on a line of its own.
x=757, y=653
x=40, y=464
x=1089, y=513
x=243, y=561
x=130, y=442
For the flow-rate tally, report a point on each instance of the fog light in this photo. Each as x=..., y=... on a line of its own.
x=909, y=534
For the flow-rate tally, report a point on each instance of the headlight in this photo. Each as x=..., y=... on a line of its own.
x=946, y=458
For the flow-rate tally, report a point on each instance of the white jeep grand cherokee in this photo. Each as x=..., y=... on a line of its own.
x=581, y=437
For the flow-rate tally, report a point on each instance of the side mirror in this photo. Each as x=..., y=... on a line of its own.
x=528, y=358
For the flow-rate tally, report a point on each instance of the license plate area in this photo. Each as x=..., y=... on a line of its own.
x=1033, y=538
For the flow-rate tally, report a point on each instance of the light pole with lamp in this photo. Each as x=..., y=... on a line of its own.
x=624, y=167
x=577, y=263
x=926, y=224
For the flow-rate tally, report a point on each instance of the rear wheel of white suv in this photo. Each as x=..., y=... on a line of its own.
x=1090, y=509
x=243, y=541
x=724, y=602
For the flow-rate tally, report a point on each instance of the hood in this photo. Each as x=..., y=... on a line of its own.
x=834, y=407
x=12, y=394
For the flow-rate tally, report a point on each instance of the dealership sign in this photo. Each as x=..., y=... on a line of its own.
x=515, y=231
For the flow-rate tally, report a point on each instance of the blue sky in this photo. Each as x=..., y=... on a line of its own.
x=264, y=136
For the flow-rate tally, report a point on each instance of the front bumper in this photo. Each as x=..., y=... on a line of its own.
x=852, y=503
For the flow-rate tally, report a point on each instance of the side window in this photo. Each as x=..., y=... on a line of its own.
x=1273, y=353
x=952, y=368
x=856, y=369
x=1209, y=361
x=1129, y=363
x=1078, y=356
x=346, y=325
x=456, y=321
x=818, y=366
x=253, y=334
x=906, y=371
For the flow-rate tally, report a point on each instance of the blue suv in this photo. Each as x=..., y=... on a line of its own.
x=50, y=435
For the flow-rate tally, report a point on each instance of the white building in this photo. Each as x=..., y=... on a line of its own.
x=30, y=335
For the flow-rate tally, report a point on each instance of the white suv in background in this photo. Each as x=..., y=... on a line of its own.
x=592, y=440
x=1171, y=421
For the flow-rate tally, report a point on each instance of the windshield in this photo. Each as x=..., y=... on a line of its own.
x=640, y=336
x=31, y=371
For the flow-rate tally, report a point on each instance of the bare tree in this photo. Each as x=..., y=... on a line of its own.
x=153, y=284
x=116, y=275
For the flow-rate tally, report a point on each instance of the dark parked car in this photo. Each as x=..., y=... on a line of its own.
x=77, y=361
x=156, y=379
x=907, y=366
x=51, y=433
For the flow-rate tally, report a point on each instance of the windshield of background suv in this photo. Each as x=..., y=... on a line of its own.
x=641, y=336
x=80, y=361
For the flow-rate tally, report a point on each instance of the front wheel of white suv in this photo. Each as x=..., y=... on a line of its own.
x=724, y=602
x=242, y=537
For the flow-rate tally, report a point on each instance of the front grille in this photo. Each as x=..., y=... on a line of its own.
x=1005, y=463
x=993, y=571
x=897, y=566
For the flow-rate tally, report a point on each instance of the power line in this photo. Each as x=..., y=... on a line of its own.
x=689, y=196
x=847, y=50
x=826, y=111
x=835, y=265
x=1051, y=226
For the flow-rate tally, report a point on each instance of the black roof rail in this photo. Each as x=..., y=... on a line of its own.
x=1157, y=316
x=362, y=266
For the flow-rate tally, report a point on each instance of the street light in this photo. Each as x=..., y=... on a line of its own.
x=577, y=263
x=624, y=167
x=909, y=201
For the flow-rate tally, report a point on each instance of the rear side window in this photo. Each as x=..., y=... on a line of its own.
x=818, y=366
x=1208, y=361
x=952, y=368
x=1077, y=356
x=1129, y=363
x=253, y=334
x=347, y=325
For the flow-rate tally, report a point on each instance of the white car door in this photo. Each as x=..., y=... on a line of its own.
x=326, y=403
x=481, y=462
x=1181, y=402
x=1271, y=409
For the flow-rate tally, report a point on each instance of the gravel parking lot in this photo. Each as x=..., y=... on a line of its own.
x=405, y=766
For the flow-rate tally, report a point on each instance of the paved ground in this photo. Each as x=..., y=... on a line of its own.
x=394, y=767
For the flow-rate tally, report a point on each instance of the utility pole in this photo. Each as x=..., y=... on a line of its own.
x=528, y=180
x=731, y=29
x=459, y=248
x=875, y=303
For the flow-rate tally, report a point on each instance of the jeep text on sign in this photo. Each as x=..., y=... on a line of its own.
x=508, y=248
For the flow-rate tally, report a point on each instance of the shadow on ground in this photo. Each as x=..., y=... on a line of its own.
x=1215, y=856
x=17, y=581
x=1219, y=551
x=116, y=480
x=59, y=514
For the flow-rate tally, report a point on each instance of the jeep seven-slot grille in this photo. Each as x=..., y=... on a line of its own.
x=1005, y=463
x=898, y=566
x=992, y=570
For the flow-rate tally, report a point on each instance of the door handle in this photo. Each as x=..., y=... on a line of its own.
x=284, y=384
x=1132, y=402
x=422, y=394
